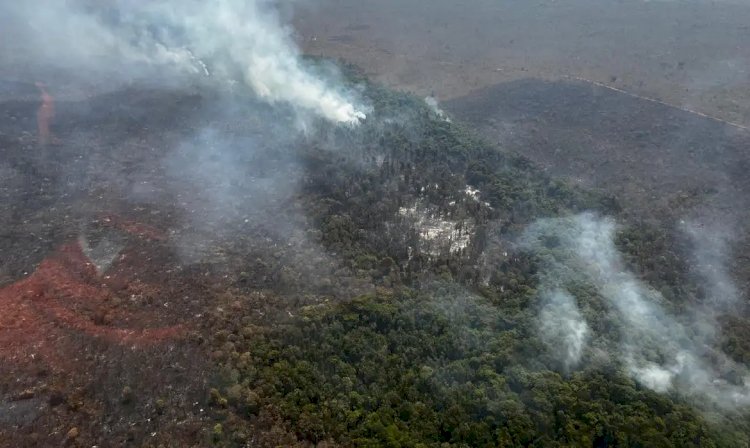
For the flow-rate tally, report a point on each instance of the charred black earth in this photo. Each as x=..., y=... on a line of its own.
x=194, y=268
x=655, y=158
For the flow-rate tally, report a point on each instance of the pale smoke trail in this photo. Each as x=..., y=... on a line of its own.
x=563, y=328
x=711, y=244
x=433, y=104
x=657, y=349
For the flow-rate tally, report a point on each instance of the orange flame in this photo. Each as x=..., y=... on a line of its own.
x=44, y=116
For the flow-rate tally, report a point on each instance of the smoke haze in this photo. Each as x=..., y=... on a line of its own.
x=658, y=348
x=563, y=328
x=221, y=41
x=710, y=248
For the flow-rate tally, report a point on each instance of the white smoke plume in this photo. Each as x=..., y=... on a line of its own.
x=226, y=41
x=563, y=328
x=433, y=104
x=657, y=348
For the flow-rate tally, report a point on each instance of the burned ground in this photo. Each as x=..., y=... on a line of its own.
x=182, y=269
x=84, y=349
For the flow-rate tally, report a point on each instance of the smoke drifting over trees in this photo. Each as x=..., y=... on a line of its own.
x=662, y=350
x=351, y=265
x=563, y=328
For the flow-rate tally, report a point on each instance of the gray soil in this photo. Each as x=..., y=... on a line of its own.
x=689, y=53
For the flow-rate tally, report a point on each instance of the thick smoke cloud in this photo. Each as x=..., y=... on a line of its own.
x=656, y=347
x=229, y=42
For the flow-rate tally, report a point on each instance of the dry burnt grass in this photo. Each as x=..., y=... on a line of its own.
x=127, y=356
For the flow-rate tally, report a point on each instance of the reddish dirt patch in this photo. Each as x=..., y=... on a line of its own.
x=80, y=345
x=66, y=294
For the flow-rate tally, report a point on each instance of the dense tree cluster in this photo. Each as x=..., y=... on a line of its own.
x=439, y=369
x=443, y=350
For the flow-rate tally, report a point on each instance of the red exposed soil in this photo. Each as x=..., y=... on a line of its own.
x=66, y=294
x=102, y=324
x=67, y=327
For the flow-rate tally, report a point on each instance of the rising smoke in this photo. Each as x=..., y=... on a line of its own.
x=226, y=42
x=563, y=328
x=433, y=104
x=657, y=348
